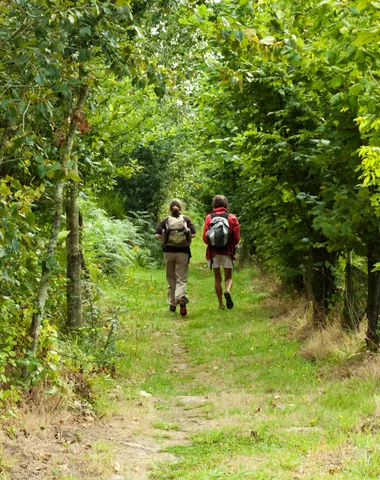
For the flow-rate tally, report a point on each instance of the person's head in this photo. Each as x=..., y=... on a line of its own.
x=219, y=201
x=175, y=207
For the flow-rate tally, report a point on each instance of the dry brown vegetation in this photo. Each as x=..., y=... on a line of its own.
x=346, y=351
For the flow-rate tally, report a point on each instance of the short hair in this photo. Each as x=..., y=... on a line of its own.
x=219, y=201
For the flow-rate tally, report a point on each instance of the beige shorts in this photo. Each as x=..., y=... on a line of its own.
x=221, y=261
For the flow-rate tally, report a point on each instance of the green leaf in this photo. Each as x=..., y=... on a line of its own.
x=331, y=57
x=15, y=184
x=337, y=99
x=363, y=4
x=345, y=228
x=293, y=58
x=51, y=262
x=268, y=40
x=160, y=89
x=337, y=81
x=202, y=10
x=127, y=12
x=39, y=79
x=352, y=101
x=83, y=55
x=15, y=246
x=74, y=176
x=85, y=31
x=329, y=230
x=4, y=103
x=30, y=218
x=360, y=56
x=372, y=106
x=42, y=169
x=239, y=34
x=63, y=234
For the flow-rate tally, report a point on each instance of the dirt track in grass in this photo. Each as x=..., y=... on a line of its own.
x=215, y=395
x=124, y=445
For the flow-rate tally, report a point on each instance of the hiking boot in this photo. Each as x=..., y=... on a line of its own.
x=229, y=302
x=172, y=308
x=182, y=308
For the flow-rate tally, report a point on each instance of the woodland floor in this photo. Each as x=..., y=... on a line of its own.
x=215, y=395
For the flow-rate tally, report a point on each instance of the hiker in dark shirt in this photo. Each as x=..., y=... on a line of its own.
x=224, y=255
x=176, y=232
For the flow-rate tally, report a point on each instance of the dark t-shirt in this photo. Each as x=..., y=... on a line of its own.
x=166, y=248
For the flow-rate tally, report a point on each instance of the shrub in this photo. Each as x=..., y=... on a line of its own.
x=111, y=244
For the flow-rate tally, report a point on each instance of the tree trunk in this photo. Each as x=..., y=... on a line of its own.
x=83, y=263
x=322, y=284
x=373, y=299
x=74, y=254
x=298, y=284
x=58, y=204
x=350, y=316
x=74, y=257
x=74, y=261
x=44, y=281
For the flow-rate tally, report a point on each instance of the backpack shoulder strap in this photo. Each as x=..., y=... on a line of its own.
x=185, y=222
x=172, y=217
x=166, y=236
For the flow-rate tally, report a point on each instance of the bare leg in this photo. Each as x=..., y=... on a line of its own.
x=228, y=285
x=228, y=279
x=218, y=286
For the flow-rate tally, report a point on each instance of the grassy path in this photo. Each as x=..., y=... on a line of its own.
x=231, y=396
x=215, y=395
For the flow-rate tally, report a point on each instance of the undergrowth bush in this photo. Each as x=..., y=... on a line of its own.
x=146, y=228
x=113, y=203
x=110, y=245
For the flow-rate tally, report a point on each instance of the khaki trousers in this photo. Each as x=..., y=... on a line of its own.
x=177, y=269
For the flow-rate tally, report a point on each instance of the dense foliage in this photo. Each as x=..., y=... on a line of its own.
x=128, y=103
x=289, y=113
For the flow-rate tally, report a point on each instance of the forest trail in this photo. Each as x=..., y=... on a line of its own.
x=215, y=395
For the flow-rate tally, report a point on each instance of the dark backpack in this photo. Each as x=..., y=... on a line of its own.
x=176, y=233
x=219, y=233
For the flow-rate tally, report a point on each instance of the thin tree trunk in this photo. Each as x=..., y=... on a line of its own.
x=350, y=316
x=44, y=281
x=83, y=262
x=74, y=254
x=323, y=284
x=74, y=257
x=58, y=204
x=373, y=299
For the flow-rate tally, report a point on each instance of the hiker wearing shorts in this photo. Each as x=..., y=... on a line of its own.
x=176, y=232
x=221, y=233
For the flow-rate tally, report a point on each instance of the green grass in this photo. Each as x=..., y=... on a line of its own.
x=279, y=416
x=161, y=425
